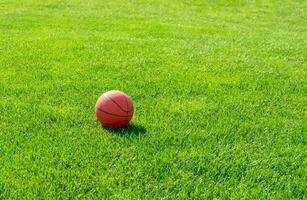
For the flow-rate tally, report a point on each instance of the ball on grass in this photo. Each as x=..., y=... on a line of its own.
x=114, y=109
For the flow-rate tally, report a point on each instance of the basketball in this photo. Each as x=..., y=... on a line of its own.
x=114, y=109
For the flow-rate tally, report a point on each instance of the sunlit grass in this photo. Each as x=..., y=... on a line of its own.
x=219, y=90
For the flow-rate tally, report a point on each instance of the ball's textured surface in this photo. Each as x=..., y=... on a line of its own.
x=114, y=109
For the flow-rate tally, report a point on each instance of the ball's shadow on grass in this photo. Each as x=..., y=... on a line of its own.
x=130, y=130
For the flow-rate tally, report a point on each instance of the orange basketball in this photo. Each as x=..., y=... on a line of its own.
x=114, y=109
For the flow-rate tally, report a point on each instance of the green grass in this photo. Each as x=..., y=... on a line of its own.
x=219, y=89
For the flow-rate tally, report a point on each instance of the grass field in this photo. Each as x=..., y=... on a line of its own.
x=219, y=87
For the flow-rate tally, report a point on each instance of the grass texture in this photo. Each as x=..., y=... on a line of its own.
x=219, y=89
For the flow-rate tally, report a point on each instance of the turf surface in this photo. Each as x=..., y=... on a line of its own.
x=219, y=89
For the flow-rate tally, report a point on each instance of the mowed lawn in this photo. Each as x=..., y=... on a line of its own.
x=219, y=88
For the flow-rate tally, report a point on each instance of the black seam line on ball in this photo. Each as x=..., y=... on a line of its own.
x=119, y=105
x=112, y=113
x=127, y=104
